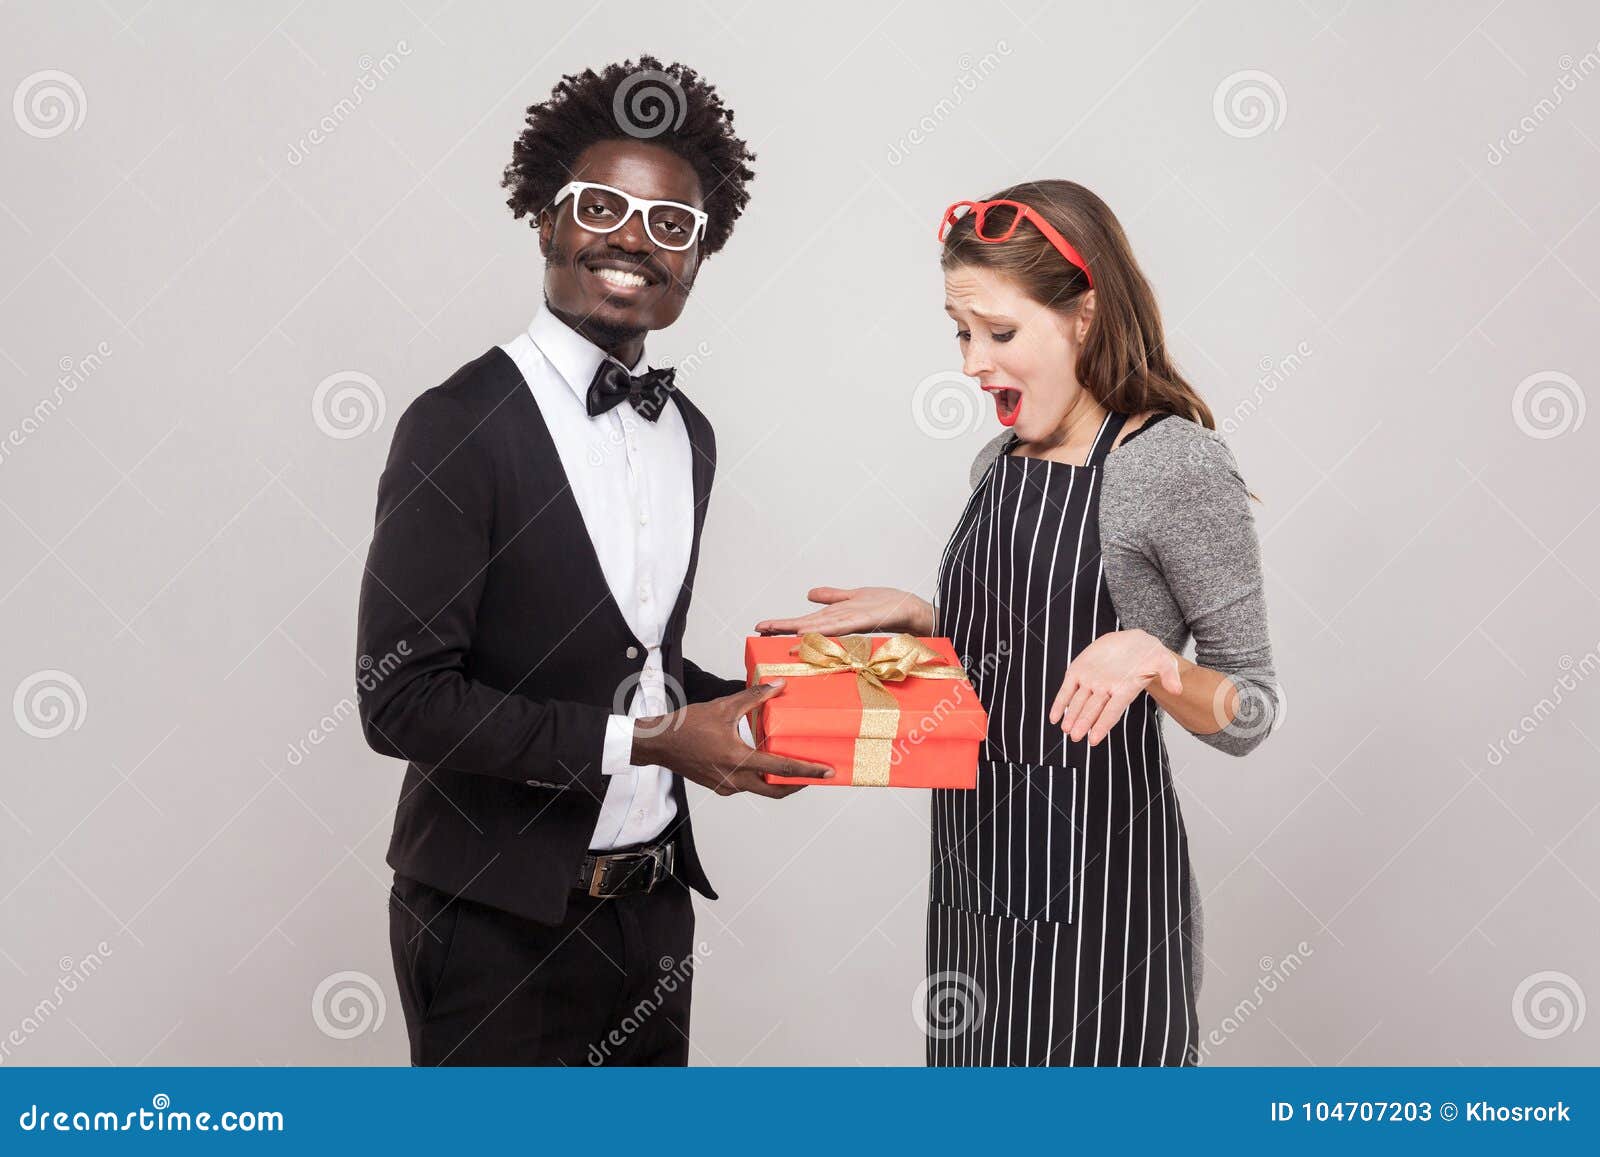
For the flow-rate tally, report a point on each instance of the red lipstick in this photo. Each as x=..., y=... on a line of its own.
x=1007, y=404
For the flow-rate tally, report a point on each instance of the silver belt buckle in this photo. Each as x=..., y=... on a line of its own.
x=597, y=877
x=661, y=860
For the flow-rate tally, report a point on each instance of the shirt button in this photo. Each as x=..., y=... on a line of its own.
x=644, y=594
x=632, y=652
x=644, y=517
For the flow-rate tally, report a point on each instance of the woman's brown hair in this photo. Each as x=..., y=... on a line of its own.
x=1123, y=362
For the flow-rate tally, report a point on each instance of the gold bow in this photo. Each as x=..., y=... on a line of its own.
x=899, y=658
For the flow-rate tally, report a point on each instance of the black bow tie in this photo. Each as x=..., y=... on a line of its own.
x=613, y=385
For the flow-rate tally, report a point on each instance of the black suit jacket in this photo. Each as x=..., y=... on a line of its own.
x=491, y=651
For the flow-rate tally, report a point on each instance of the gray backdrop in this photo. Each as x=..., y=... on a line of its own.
x=239, y=239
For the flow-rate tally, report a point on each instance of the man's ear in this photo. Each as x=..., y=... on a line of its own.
x=694, y=271
x=546, y=226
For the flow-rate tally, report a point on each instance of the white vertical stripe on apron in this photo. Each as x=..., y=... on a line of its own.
x=1009, y=631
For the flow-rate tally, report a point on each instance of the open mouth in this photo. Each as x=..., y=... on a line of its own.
x=619, y=278
x=1007, y=403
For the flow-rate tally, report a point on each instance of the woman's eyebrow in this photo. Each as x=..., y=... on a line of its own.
x=991, y=318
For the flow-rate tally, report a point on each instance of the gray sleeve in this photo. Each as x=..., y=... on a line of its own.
x=1197, y=529
x=1179, y=541
x=989, y=452
x=1197, y=931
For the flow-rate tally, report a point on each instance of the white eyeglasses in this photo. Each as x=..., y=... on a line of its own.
x=603, y=209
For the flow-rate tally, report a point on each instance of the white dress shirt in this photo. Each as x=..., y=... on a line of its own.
x=634, y=486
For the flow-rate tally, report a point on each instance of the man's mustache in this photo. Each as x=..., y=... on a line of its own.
x=639, y=262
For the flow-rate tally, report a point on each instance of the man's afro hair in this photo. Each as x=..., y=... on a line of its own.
x=667, y=105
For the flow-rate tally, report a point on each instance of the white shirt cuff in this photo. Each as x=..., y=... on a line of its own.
x=617, y=754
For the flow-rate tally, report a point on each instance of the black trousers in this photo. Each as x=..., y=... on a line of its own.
x=609, y=985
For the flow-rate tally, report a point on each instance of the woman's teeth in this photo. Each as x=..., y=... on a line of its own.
x=620, y=279
x=1006, y=405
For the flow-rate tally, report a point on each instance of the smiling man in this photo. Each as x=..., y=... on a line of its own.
x=525, y=596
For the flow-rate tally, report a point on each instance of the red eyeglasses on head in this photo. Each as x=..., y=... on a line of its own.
x=1019, y=213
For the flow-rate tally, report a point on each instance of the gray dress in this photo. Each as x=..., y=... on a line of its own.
x=1182, y=560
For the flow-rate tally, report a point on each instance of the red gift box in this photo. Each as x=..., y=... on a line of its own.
x=881, y=710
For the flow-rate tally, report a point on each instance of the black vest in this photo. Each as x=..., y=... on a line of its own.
x=545, y=627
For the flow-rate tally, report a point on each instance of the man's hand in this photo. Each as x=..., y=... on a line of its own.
x=701, y=743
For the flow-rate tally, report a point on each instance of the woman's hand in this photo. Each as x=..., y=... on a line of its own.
x=1108, y=675
x=858, y=611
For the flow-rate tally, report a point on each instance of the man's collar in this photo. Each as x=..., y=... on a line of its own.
x=574, y=356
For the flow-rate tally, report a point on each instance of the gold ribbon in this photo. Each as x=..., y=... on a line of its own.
x=900, y=657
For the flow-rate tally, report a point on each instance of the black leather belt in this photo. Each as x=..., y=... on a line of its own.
x=624, y=873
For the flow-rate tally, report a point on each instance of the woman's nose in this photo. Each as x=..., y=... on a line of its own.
x=973, y=363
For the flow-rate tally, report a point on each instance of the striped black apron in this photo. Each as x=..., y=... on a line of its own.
x=1058, y=917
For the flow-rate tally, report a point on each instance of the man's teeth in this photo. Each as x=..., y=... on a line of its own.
x=619, y=278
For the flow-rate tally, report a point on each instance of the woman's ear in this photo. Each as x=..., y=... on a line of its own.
x=1085, y=317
